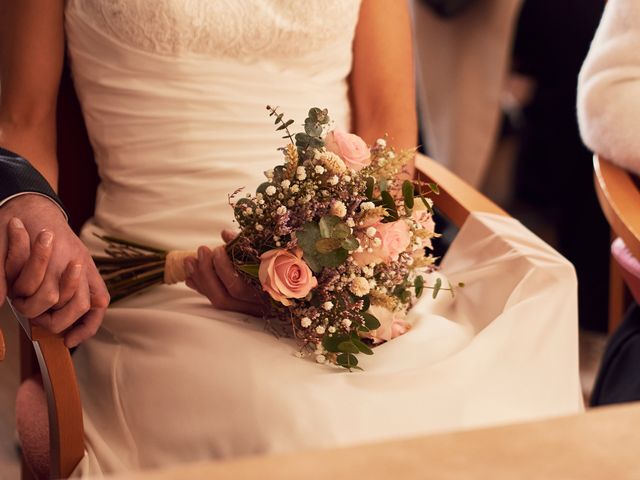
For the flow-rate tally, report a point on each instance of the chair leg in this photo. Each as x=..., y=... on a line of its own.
x=619, y=297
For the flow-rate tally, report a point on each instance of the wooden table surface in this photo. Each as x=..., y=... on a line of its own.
x=602, y=444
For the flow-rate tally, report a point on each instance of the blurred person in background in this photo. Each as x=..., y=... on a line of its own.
x=467, y=51
x=609, y=112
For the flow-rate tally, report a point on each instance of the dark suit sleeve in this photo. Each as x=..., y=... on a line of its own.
x=19, y=177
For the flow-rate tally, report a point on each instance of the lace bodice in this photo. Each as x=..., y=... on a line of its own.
x=227, y=28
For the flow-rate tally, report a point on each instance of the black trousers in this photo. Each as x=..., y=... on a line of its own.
x=618, y=380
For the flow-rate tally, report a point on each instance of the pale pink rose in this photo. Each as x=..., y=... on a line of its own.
x=284, y=275
x=394, y=238
x=351, y=148
x=392, y=324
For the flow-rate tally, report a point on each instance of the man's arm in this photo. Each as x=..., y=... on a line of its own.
x=40, y=257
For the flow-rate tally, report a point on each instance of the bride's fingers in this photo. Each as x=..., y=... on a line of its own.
x=208, y=283
x=229, y=234
x=232, y=280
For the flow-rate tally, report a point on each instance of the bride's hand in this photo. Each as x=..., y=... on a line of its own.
x=213, y=275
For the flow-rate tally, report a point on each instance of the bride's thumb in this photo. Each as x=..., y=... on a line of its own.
x=229, y=234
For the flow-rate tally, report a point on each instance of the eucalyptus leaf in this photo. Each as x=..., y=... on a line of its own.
x=307, y=237
x=371, y=182
x=262, y=187
x=350, y=243
x=331, y=342
x=434, y=188
x=333, y=259
x=407, y=193
x=366, y=303
x=327, y=245
x=370, y=321
x=389, y=203
x=341, y=231
x=436, y=287
x=348, y=347
x=327, y=224
x=250, y=269
x=313, y=262
x=384, y=184
x=363, y=347
x=347, y=360
x=419, y=285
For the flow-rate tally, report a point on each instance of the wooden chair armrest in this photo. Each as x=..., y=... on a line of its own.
x=457, y=198
x=66, y=431
x=620, y=201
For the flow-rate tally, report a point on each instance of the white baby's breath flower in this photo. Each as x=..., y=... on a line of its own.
x=305, y=322
x=381, y=142
x=299, y=354
x=367, y=206
x=359, y=286
x=346, y=322
x=391, y=155
x=270, y=190
x=278, y=244
x=291, y=202
x=285, y=184
x=319, y=329
x=319, y=169
x=259, y=211
x=332, y=329
x=295, y=188
x=339, y=209
x=350, y=222
x=327, y=305
x=346, y=178
x=371, y=232
x=269, y=173
x=377, y=242
x=281, y=210
x=321, y=358
x=382, y=162
x=259, y=227
x=333, y=180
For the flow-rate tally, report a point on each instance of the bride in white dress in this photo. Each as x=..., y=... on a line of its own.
x=173, y=93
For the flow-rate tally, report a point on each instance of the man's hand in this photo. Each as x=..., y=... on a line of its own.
x=47, y=271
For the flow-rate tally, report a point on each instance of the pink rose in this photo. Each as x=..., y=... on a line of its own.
x=388, y=242
x=284, y=275
x=392, y=324
x=351, y=148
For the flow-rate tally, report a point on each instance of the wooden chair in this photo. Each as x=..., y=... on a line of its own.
x=619, y=198
x=40, y=351
x=45, y=353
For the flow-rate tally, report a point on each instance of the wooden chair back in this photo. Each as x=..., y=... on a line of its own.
x=43, y=352
x=619, y=198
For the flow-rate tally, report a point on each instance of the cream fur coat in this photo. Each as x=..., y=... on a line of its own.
x=609, y=87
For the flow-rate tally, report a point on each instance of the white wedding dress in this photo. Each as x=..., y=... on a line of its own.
x=174, y=95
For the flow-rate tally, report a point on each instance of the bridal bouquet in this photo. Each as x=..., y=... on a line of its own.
x=334, y=236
